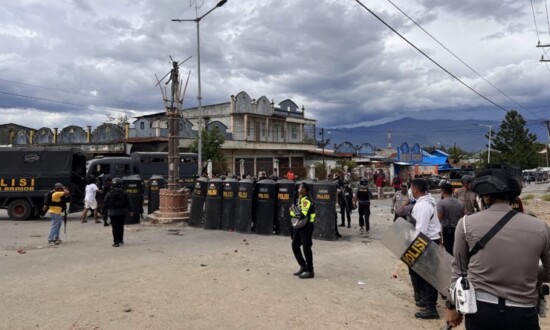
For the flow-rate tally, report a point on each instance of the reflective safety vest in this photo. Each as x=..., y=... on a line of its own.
x=306, y=208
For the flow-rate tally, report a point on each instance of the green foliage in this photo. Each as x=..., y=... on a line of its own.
x=546, y=198
x=341, y=162
x=212, y=140
x=320, y=171
x=514, y=143
x=528, y=197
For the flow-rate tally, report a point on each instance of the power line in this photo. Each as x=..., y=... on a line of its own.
x=461, y=61
x=59, y=102
x=68, y=92
x=432, y=60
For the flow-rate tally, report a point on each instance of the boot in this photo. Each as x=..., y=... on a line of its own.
x=428, y=314
x=300, y=271
x=308, y=274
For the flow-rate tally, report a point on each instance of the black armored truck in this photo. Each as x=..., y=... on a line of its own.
x=27, y=174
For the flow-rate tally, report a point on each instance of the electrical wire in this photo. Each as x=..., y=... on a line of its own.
x=461, y=61
x=432, y=60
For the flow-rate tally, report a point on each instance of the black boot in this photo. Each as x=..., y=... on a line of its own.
x=307, y=274
x=428, y=314
x=300, y=271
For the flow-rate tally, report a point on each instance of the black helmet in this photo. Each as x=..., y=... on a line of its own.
x=346, y=182
x=496, y=181
x=117, y=183
x=466, y=179
x=363, y=182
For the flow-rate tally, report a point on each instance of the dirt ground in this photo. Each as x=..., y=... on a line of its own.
x=174, y=277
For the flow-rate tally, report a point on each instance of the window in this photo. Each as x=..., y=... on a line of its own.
x=142, y=125
x=294, y=133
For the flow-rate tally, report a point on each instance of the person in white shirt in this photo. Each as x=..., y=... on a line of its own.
x=90, y=201
x=427, y=222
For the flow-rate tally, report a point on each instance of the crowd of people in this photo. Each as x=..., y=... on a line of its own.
x=481, y=225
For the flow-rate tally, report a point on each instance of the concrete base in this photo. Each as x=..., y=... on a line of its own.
x=174, y=207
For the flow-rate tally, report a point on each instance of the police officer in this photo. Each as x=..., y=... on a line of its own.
x=345, y=199
x=304, y=236
x=117, y=204
x=467, y=196
x=503, y=272
x=362, y=197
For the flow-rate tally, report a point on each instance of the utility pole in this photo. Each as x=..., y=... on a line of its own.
x=547, y=122
x=323, y=142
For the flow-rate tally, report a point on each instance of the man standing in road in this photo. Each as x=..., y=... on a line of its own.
x=503, y=270
x=55, y=204
x=400, y=199
x=467, y=196
x=304, y=236
x=362, y=197
x=380, y=182
x=90, y=201
x=117, y=205
x=428, y=224
x=449, y=211
x=345, y=199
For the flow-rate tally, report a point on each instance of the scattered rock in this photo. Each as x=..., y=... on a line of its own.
x=246, y=243
x=203, y=265
x=127, y=310
x=21, y=251
x=235, y=251
x=247, y=270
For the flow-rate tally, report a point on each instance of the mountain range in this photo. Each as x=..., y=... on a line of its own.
x=468, y=134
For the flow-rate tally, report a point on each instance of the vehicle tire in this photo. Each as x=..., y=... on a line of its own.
x=19, y=209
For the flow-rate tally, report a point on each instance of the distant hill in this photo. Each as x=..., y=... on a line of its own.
x=426, y=133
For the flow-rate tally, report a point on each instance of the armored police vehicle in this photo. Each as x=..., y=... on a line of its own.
x=145, y=164
x=28, y=173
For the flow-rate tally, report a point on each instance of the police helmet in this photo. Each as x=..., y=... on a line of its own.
x=467, y=179
x=363, y=182
x=117, y=183
x=496, y=181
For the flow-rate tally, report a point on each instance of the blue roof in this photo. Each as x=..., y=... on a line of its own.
x=439, y=153
x=441, y=162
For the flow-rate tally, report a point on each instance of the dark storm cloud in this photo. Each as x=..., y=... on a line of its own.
x=331, y=56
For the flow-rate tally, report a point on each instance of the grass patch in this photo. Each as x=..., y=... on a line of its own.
x=528, y=197
x=546, y=198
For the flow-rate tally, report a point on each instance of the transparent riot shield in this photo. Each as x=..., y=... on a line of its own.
x=423, y=256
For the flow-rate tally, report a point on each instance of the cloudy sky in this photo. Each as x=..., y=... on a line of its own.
x=68, y=62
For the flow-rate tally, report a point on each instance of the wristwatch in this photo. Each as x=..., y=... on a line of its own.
x=449, y=305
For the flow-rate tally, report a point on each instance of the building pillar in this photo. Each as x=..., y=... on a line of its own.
x=209, y=168
x=329, y=169
x=312, y=172
x=126, y=130
x=89, y=134
x=31, y=136
x=55, y=135
x=276, y=167
x=241, y=169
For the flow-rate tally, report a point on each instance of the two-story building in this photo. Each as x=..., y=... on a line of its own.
x=257, y=133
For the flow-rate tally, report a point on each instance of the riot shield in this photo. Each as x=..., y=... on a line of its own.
x=323, y=194
x=197, y=202
x=286, y=196
x=243, y=207
x=229, y=202
x=422, y=255
x=264, y=212
x=213, y=205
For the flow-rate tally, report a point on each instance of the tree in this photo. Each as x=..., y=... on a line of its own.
x=212, y=141
x=118, y=119
x=514, y=143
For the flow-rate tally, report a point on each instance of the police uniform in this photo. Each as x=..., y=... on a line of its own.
x=504, y=272
x=304, y=237
x=363, y=196
x=345, y=199
x=117, y=204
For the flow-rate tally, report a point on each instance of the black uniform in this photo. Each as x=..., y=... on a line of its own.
x=363, y=196
x=117, y=203
x=345, y=199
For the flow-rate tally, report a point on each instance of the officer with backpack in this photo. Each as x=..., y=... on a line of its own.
x=498, y=251
x=55, y=204
x=117, y=205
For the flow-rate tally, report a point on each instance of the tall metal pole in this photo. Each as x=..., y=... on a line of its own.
x=489, y=154
x=323, y=142
x=199, y=97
